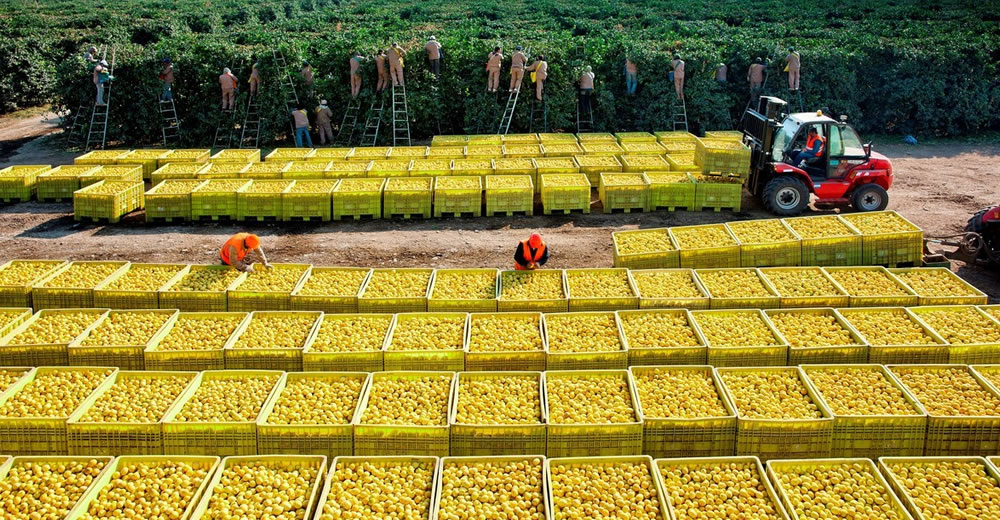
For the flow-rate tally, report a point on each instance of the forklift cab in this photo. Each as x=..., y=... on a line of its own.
x=842, y=152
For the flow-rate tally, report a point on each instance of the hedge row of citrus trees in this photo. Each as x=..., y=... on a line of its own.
x=897, y=68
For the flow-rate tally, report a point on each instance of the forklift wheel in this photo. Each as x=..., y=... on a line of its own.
x=786, y=196
x=870, y=197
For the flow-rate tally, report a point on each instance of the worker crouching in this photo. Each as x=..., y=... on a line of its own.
x=241, y=250
x=531, y=253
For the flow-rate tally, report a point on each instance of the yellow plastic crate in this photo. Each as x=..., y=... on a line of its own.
x=268, y=356
x=430, y=167
x=682, y=436
x=414, y=303
x=965, y=350
x=556, y=165
x=122, y=172
x=43, y=434
x=522, y=150
x=217, y=199
x=437, y=303
x=264, y=204
x=308, y=200
x=681, y=161
x=99, y=157
x=10, y=318
x=496, y=439
x=224, y=170
x=173, y=297
x=690, y=256
x=193, y=359
x=306, y=169
x=125, y=357
x=48, y=354
x=477, y=166
x=456, y=196
x=485, y=139
x=653, y=297
x=722, y=155
x=589, y=360
x=170, y=200
x=210, y=464
x=249, y=300
x=515, y=166
x=564, y=193
x=19, y=183
x=408, y=152
x=508, y=302
x=964, y=293
x=317, y=462
x=606, y=303
x=624, y=191
x=59, y=183
x=663, y=353
x=266, y=171
x=118, y=438
x=75, y=509
x=348, y=360
x=856, y=352
x=385, y=439
x=783, y=251
x=834, y=244
x=744, y=355
x=176, y=171
x=185, y=156
x=446, y=152
x=389, y=168
x=888, y=248
x=601, y=148
x=509, y=195
x=214, y=438
x=235, y=155
x=288, y=154
x=326, y=155
x=665, y=510
x=358, y=198
x=782, y=438
x=836, y=296
x=811, y=466
x=594, y=440
x=717, y=192
x=439, y=359
x=518, y=463
x=430, y=463
x=950, y=435
x=730, y=135
x=93, y=204
x=670, y=190
x=107, y=296
x=560, y=149
x=594, y=165
x=874, y=436
x=408, y=197
x=625, y=256
x=718, y=301
x=635, y=137
x=347, y=169
x=331, y=440
x=520, y=138
x=596, y=137
x=905, y=299
x=18, y=277
x=449, y=140
x=898, y=482
x=303, y=299
x=674, y=135
x=554, y=137
x=47, y=294
x=643, y=148
x=663, y=465
x=935, y=351
x=502, y=360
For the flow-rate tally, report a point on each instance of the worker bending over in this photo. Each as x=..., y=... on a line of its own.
x=794, y=64
x=240, y=250
x=815, y=146
x=493, y=64
x=433, y=49
x=531, y=253
x=356, y=74
x=678, y=75
x=229, y=84
x=396, y=54
x=517, y=63
x=541, y=73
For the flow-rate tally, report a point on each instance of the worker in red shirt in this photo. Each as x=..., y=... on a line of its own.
x=531, y=253
x=240, y=250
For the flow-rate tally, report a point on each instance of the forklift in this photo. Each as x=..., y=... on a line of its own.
x=846, y=173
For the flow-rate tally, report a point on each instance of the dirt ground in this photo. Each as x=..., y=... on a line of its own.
x=937, y=187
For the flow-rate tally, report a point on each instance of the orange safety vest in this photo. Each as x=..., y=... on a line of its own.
x=532, y=258
x=237, y=241
x=822, y=146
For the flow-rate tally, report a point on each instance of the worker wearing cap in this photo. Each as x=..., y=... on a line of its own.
x=794, y=63
x=433, y=49
x=396, y=54
x=383, y=72
x=101, y=77
x=631, y=76
x=678, y=74
x=586, y=89
x=721, y=73
x=541, y=70
x=240, y=250
x=755, y=75
x=517, y=63
x=493, y=64
x=815, y=146
x=167, y=80
x=323, y=117
x=356, y=74
x=531, y=253
x=229, y=83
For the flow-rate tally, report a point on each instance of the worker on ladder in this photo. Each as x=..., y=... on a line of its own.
x=254, y=79
x=323, y=118
x=755, y=75
x=90, y=57
x=531, y=253
x=517, y=62
x=631, y=76
x=793, y=63
x=306, y=73
x=396, y=54
x=540, y=72
x=229, y=84
x=167, y=80
x=102, y=76
x=382, y=70
x=433, y=48
x=721, y=73
x=355, y=63
x=301, y=119
x=493, y=63
x=586, y=89
x=677, y=75
x=240, y=250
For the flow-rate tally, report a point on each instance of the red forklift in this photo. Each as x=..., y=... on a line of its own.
x=848, y=173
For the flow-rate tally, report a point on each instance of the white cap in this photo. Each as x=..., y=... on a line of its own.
x=322, y=102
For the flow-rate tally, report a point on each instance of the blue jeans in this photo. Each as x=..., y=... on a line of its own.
x=631, y=82
x=303, y=131
x=166, y=94
x=804, y=155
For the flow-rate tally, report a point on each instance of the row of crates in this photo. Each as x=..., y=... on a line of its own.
x=54, y=184
x=877, y=238
x=312, y=340
x=731, y=425
x=777, y=484
x=47, y=284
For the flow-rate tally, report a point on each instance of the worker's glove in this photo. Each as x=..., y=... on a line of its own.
x=250, y=269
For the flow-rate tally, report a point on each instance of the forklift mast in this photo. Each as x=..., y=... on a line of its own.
x=759, y=129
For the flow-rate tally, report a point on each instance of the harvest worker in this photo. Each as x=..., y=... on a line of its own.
x=815, y=146
x=631, y=76
x=255, y=79
x=792, y=67
x=678, y=74
x=323, y=117
x=383, y=72
x=101, y=77
x=240, y=250
x=755, y=75
x=229, y=84
x=396, y=54
x=721, y=72
x=167, y=80
x=531, y=253
x=541, y=72
x=356, y=74
x=301, y=119
x=91, y=58
x=517, y=62
x=493, y=64
x=433, y=49
x=586, y=89
x=306, y=74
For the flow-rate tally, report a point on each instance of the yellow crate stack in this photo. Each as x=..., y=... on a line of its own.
x=509, y=195
x=818, y=336
x=173, y=349
x=170, y=200
x=18, y=277
x=662, y=337
x=376, y=435
x=59, y=183
x=19, y=183
x=895, y=335
x=573, y=432
x=358, y=198
x=330, y=290
x=505, y=341
x=887, y=238
x=511, y=433
x=108, y=201
x=97, y=346
x=348, y=342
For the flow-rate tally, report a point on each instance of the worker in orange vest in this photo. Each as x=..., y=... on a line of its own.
x=531, y=253
x=239, y=251
x=815, y=146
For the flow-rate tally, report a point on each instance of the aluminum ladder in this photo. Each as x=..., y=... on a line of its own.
x=372, y=123
x=345, y=134
x=98, y=132
x=678, y=111
x=225, y=129
x=81, y=115
x=400, y=117
x=508, y=112
x=171, y=126
x=250, y=132
x=539, y=112
x=584, y=119
x=287, y=89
